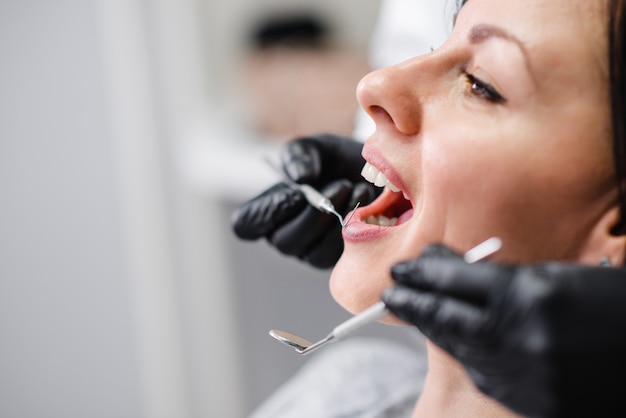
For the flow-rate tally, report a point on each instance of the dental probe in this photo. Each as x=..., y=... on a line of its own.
x=315, y=198
x=374, y=312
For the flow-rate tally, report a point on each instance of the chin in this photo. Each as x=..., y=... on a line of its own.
x=356, y=288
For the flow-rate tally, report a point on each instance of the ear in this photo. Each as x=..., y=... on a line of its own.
x=603, y=243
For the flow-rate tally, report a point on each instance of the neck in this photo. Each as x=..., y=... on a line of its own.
x=449, y=391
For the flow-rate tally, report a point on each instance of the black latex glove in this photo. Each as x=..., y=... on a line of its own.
x=545, y=340
x=332, y=165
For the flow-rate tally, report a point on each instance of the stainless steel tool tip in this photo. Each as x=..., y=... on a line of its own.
x=291, y=340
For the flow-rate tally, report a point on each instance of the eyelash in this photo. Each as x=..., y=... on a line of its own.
x=483, y=90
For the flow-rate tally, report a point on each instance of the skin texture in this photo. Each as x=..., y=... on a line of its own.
x=535, y=171
x=531, y=164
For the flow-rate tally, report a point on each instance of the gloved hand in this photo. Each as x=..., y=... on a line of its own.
x=546, y=340
x=332, y=165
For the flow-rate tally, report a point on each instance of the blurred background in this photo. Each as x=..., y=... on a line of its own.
x=129, y=129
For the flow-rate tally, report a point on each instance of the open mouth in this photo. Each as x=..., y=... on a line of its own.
x=391, y=208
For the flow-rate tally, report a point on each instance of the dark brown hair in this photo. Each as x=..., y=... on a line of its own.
x=617, y=85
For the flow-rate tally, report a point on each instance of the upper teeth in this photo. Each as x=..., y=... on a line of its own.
x=373, y=175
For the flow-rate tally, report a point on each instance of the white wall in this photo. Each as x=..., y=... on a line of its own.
x=67, y=336
x=117, y=294
x=89, y=319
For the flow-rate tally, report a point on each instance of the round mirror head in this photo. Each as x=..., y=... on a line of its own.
x=290, y=339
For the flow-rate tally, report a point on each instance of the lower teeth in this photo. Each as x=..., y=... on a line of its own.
x=381, y=220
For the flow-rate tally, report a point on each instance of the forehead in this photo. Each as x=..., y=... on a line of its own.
x=557, y=34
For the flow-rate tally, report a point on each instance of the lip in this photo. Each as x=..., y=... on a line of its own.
x=359, y=231
x=374, y=157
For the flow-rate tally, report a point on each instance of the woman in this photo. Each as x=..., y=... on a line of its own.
x=503, y=131
x=506, y=130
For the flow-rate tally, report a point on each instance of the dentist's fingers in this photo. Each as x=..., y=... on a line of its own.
x=319, y=159
x=442, y=319
x=302, y=233
x=264, y=213
x=326, y=252
x=451, y=275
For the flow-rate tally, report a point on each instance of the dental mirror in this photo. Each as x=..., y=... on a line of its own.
x=299, y=343
x=374, y=312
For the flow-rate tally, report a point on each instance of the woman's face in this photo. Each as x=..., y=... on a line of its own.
x=503, y=131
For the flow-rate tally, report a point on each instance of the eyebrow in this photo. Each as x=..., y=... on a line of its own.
x=483, y=32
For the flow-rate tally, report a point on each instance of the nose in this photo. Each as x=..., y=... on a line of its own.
x=394, y=97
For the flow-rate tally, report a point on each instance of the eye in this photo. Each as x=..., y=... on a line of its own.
x=483, y=90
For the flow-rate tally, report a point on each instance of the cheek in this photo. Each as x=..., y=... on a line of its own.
x=530, y=198
x=460, y=179
x=475, y=192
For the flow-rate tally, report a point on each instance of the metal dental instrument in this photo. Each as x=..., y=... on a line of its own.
x=315, y=198
x=304, y=346
x=374, y=312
